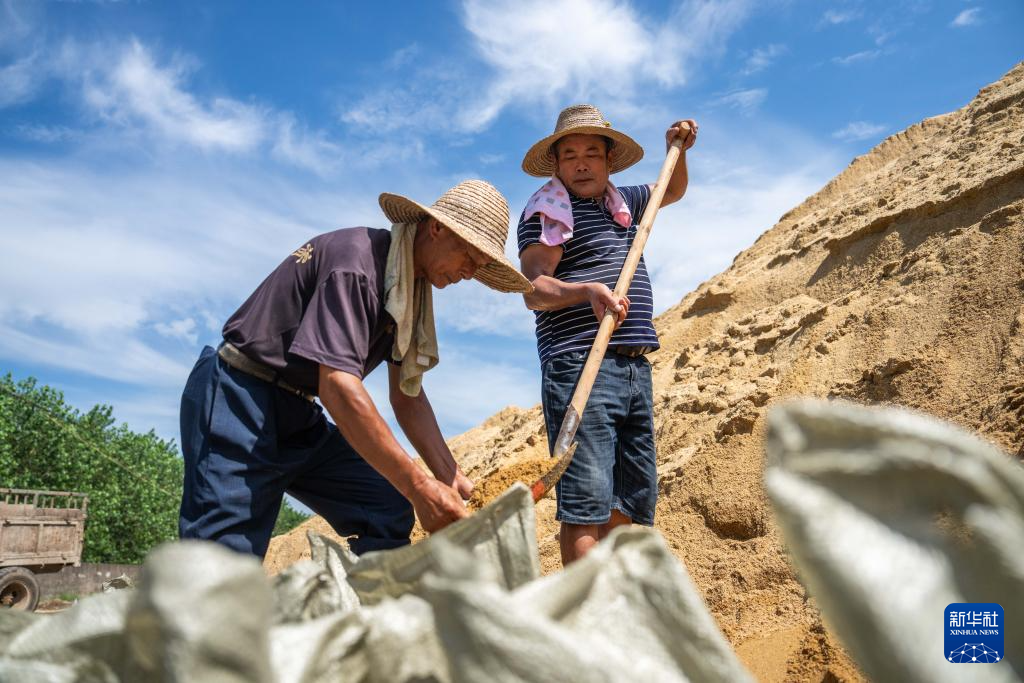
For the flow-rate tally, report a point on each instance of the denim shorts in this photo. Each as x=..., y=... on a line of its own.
x=615, y=466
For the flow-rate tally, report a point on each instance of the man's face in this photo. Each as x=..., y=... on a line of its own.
x=583, y=164
x=449, y=258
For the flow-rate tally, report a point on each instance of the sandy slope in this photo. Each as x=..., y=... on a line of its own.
x=901, y=281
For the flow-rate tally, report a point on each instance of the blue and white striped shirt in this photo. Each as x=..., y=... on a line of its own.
x=595, y=253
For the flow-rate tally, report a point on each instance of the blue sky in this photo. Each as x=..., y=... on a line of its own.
x=157, y=160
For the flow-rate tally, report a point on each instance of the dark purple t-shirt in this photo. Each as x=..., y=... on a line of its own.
x=324, y=305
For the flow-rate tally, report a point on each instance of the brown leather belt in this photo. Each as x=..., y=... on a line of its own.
x=230, y=354
x=631, y=351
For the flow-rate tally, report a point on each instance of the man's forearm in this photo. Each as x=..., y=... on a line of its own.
x=551, y=294
x=677, y=182
x=347, y=401
x=417, y=420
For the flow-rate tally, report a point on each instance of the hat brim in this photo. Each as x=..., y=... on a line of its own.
x=540, y=161
x=499, y=274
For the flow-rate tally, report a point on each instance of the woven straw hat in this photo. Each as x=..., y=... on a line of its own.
x=583, y=119
x=476, y=212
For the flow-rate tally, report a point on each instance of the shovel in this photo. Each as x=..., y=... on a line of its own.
x=565, y=447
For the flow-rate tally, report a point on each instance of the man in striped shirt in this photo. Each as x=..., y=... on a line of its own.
x=612, y=479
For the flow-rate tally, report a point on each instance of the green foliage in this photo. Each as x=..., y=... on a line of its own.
x=133, y=480
x=288, y=518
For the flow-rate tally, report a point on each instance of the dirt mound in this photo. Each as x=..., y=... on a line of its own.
x=900, y=282
x=496, y=482
x=287, y=549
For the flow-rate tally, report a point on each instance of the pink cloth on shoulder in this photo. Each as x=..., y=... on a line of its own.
x=551, y=201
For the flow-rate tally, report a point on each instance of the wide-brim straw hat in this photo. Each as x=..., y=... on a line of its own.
x=581, y=119
x=478, y=213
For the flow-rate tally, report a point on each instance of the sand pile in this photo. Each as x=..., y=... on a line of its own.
x=492, y=484
x=287, y=549
x=901, y=281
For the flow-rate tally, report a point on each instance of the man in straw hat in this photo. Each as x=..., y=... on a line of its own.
x=314, y=328
x=573, y=238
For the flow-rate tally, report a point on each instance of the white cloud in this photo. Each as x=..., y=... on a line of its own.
x=297, y=145
x=857, y=57
x=859, y=130
x=211, y=322
x=45, y=134
x=429, y=99
x=17, y=21
x=969, y=17
x=403, y=56
x=881, y=35
x=129, y=360
x=619, y=53
x=833, y=17
x=762, y=58
x=746, y=101
x=128, y=90
x=616, y=44
x=184, y=329
x=388, y=153
x=489, y=159
x=19, y=81
x=624, y=53
x=137, y=90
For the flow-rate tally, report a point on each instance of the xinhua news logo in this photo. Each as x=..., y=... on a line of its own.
x=974, y=633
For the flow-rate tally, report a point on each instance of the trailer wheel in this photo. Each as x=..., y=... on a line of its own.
x=18, y=589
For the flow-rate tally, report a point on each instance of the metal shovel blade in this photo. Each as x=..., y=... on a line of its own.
x=547, y=482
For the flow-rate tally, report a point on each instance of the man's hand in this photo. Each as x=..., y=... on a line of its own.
x=348, y=402
x=463, y=485
x=601, y=298
x=686, y=129
x=437, y=505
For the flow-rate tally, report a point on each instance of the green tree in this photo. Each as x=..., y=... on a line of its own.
x=133, y=480
x=288, y=518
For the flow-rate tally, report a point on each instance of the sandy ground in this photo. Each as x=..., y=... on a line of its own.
x=900, y=282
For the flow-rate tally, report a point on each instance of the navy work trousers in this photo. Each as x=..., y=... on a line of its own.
x=246, y=442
